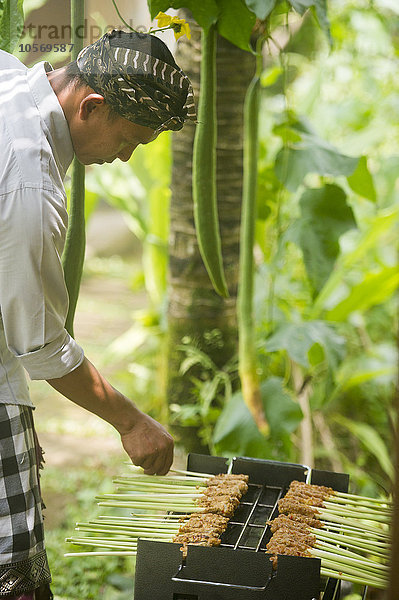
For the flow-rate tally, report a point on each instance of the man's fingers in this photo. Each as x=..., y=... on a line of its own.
x=149, y=446
x=158, y=464
x=161, y=465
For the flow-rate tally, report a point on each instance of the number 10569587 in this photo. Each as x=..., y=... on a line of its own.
x=45, y=47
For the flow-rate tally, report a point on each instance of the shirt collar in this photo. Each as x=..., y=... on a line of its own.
x=55, y=124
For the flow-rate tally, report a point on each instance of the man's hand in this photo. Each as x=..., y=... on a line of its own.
x=149, y=445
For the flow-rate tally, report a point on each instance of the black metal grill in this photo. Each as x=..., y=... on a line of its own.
x=239, y=569
x=247, y=529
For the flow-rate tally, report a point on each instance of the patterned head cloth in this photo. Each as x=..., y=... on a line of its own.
x=139, y=79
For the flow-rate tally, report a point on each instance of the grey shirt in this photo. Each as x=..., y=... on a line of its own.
x=36, y=150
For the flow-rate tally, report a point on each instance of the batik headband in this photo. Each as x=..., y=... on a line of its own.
x=138, y=86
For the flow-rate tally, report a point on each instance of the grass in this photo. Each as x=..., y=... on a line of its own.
x=70, y=494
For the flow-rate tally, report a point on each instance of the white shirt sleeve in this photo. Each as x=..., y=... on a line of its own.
x=33, y=295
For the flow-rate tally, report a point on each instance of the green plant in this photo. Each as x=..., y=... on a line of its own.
x=246, y=344
x=11, y=23
x=68, y=498
x=141, y=193
x=212, y=385
x=75, y=243
x=204, y=167
x=327, y=265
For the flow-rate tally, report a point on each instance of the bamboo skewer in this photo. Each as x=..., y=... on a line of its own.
x=360, y=524
x=355, y=543
x=369, y=499
x=193, y=474
x=154, y=506
x=180, y=494
x=336, y=574
x=329, y=508
x=378, y=535
x=101, y=553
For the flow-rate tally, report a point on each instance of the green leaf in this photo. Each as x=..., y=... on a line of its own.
x=261, y=8
x=208, y=393
x=361, y=181
x=371, y=440
x=320, y=7
x=299, y=339
x=383, y=227
x=236, y=431
x=236, y=22
x=311, y=155
x=196, y=356
x=379, y=364
x=288, y=134
x=325, y=217
x=205, y=12
x=376, y=288
x=269, y=76
x=11, y=23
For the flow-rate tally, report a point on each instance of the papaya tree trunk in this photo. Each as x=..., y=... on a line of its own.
x=196, y=313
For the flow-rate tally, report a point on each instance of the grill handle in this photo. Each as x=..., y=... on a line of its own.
x=219, y=584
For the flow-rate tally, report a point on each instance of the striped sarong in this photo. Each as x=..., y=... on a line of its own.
x=23, y=560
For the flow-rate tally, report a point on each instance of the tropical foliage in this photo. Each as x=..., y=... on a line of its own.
x=326, y=252
x=326, y=231
x=326, y=238
x=326, y=264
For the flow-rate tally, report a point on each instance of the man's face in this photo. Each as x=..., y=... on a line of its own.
x=97, y=139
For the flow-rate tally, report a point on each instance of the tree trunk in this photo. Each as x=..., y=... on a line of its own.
x=195, y=312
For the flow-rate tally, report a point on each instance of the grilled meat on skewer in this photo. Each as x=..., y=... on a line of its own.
x=219, y=501
x=300, y=522
x=207, y=522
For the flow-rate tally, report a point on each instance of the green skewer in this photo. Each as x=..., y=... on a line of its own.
x=355, y=543
x=192, y=473
x=350, y=529
x=355, y=497
x=148, y=505
x=159, y=498
x=350, y=561
x=337, y=574
x=360, y=503
x=328, y=515
x=364, y=578
x=359, y=515
x=104, y=553
x=158, y=480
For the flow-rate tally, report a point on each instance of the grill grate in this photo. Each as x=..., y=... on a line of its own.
x=248, y=529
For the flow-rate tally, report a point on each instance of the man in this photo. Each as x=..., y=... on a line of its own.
x=122, y=91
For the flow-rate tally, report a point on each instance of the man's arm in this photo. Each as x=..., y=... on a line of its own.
x=147, y=442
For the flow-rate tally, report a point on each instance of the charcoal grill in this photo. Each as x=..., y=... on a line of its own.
x=239, y=569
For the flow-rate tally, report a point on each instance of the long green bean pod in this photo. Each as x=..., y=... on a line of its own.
x=204, y=168
x=74, y=250
x=247, y=351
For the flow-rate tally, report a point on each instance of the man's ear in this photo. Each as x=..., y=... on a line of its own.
x=90, y=104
